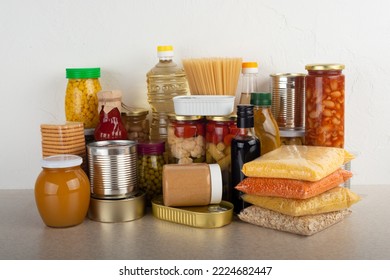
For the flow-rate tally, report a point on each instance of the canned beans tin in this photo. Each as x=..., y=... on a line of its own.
x=325, y=98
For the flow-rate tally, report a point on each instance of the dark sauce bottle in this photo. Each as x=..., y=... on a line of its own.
x=245, y=147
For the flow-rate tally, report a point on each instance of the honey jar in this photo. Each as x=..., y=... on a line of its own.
x=62, y=191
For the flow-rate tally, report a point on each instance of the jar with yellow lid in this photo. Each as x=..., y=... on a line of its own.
x=325, y=105
x=62, y=191
x=186, y=139
x=81, y=101
x=136, y=122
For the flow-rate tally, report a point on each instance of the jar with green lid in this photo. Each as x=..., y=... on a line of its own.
x=136, y=122
x=150, y=166
x=186, y=139
x=292, y=137
x=81, y=101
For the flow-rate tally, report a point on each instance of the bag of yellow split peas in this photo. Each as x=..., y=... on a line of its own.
x=81, y=101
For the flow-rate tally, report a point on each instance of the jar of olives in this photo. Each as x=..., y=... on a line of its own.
x=150, y=165
x=81, y=101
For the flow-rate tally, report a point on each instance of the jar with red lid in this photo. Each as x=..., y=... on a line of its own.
x=150, y=166
x=220, y=130
x=186, y=139
x=325, y=84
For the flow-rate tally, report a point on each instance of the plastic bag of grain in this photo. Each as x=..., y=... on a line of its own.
x=290, y=188
x=303, y=225
x=309, y=163
x=336, y=199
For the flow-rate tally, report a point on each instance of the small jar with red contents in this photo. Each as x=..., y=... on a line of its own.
x=325, y=105
x=186, y=139
x=220, y=130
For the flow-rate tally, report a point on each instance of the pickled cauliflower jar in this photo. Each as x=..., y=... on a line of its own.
x=325, y=105
x=81, y=101
x=186, y=139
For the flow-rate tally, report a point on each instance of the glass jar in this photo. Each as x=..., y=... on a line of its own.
x=325, y=105
x=81, y=101
x=62, y=191
x=136, y=123
x=292, y=137
x=186, y=139
x=150, y=166
x=219, y=134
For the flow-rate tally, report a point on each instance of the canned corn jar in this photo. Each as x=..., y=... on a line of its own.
x=81, y=101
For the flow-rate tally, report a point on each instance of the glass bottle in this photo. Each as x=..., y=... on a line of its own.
x=81, y=101
x=249, y=81
x=245, y=148
x=164, y=81
x=266, y=128
x=325, y=105
x=110, y=126
x=62, y=191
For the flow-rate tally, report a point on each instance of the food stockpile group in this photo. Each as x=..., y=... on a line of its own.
x=273, y=159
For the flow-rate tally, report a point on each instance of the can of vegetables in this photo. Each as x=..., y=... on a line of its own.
x=219, y=133
x=186, y=139
x=325, y=105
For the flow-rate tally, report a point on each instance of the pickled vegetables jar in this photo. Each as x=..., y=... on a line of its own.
x=186, y=139
x=219, y=134
x=81, y=101
x=62, y=191
x=325, y=105
x=150, y=166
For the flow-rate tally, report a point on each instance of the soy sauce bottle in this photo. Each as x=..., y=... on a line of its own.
x=245, y=147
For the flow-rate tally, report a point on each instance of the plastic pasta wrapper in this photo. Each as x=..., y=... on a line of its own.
x=309, y=163
x=289, y=188
x=336, y=199
x=304, y=225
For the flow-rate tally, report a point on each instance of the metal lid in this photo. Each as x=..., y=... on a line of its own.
x=150, y=147
x=222, y=118
x=183, y=118
x=210, y=216
x=325, y=66
x=291, y=133
x=133, y=112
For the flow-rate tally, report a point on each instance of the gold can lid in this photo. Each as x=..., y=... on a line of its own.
x=325, y=66
x=222, y=118
x=183, y=118
x=133, y=112
x=209, y=216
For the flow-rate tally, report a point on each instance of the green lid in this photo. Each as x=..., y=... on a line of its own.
x=82, y=73
x=261, y=98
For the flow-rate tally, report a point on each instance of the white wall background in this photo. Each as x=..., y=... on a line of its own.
x=40, y=38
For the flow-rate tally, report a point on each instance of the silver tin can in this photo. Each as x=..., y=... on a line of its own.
x=288, y=99
x=112, y=168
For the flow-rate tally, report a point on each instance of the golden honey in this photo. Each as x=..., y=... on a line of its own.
x=62, y=191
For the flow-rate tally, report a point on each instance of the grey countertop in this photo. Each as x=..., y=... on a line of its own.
x=364, y=235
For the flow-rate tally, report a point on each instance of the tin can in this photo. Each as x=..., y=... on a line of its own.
x=112, y=168
x=288, y=99
x=325, y=105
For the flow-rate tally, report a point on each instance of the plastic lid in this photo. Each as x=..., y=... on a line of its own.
x=164, y=51
x=82, y=73
x=250, y=68
x=261, y=98
x=325, y=66
x=151, y=147
x=61, y=161
x=216, y=183
x=245, y=116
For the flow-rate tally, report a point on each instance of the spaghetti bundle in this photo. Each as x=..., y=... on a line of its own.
x=212, y=76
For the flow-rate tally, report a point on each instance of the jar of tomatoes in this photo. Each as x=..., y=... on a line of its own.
x=186, y=139
x=220, y=130
x=325, y=105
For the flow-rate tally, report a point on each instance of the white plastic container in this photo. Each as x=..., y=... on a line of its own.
x=204, y=105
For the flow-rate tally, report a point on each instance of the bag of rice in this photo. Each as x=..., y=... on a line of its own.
x=290, y=188
x=305, y=225
x=309, y=163
x=336, y=199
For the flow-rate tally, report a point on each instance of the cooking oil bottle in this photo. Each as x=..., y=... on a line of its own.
x=266, y=128
x=165, y=81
